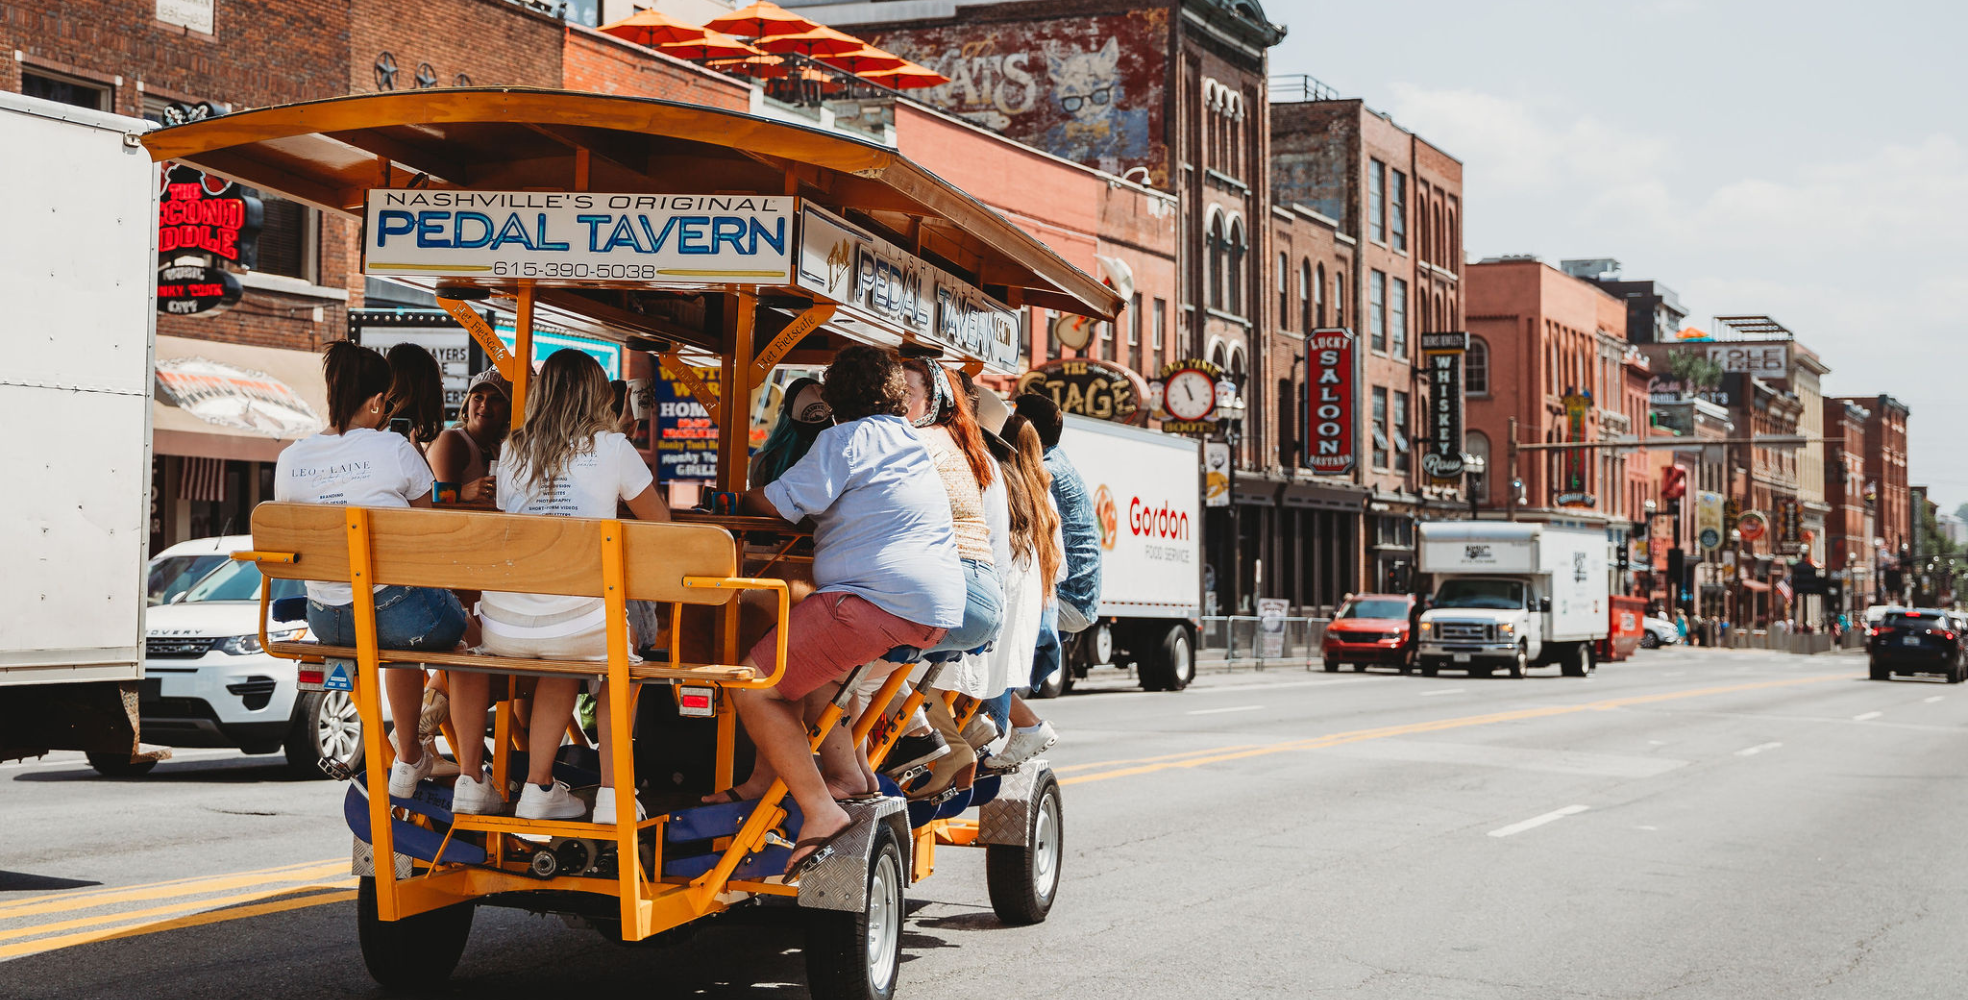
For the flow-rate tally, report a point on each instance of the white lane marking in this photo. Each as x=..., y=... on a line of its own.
x=1538, y=761
x=1431, y=694
x=1214, y=711
x=1649, y=829
x=1758, y=748
x=1536, y=821
x=1934, y=699
x=1677, y=673
x=1866, y=716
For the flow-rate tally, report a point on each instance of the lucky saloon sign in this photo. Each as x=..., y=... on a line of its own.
x=1090, y=388
x=878, y=282
x=580, y=236
x=1443, y=352
x=198, y=213
x=1329, y=447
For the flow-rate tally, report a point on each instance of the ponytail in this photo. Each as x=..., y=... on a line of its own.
x=355, y=375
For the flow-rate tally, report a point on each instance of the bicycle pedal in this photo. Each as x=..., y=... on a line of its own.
x=335, y=769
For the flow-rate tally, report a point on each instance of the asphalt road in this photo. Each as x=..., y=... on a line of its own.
x=1687, y=824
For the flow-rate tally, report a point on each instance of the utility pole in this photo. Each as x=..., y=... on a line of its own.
x=1511, y=485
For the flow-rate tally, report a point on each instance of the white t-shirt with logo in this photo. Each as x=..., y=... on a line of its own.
x=362, y=467
x=611, y=470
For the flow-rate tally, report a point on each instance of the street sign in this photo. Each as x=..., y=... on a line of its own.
x=1271, y=612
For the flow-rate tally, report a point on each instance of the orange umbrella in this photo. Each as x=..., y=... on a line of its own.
x=908, y=76
x=821, y=41
x=864, y=60
x=760, y=66
x=652, y=28
x=762, y=20
x=714, y=45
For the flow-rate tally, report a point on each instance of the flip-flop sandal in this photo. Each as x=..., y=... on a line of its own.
x=823, y=848
x=727, y=797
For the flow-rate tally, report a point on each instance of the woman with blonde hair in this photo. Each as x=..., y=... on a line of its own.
x=568, y=460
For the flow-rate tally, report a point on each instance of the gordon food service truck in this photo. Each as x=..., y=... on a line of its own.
x=1147, y=494
x=1512, y=595
x=75, y=389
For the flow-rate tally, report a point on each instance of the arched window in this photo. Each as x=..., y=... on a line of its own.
x=1421, y=221
x=1476, y=368
x=1235, y=253
x=1441, y=238
x=1311, y=314
x=1284, y=291
x=1338, y=296
x=1318, y=303
x=1216, y=355
x=1216, y=261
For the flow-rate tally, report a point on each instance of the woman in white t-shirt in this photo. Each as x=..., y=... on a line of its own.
x=568, y=460
x=354, y=464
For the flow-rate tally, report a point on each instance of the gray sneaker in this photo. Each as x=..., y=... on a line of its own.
x=1023, y=746
x=557, y=802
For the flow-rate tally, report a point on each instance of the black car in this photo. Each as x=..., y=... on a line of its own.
x=1916, y=641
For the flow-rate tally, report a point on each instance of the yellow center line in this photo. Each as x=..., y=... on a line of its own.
x=1199, y=758
x=114, y=889
x=158, y=911
x=194, y=887
x=195, y=920
x=1150, y=760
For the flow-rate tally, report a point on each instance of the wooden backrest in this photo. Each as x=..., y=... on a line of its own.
x=474, y=550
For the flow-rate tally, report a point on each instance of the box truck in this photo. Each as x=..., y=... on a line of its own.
x=1147, y=494
x=75, y=388
x=1513, y=595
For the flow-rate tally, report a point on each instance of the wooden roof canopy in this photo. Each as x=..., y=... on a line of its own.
x=329, y=153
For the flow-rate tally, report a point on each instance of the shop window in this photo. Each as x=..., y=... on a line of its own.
x=1380, y=442
x=65, y=90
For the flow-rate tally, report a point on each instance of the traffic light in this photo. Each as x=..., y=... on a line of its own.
x=1674, y=483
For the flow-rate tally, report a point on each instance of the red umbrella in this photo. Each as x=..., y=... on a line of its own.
x=908, y=76
x=821, y=41
x=869, y=59
x=762, y=20
x=759, y=66
x=714, y=45
x=651, y=28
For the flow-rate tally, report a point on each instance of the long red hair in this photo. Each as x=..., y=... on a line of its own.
x=958, y=418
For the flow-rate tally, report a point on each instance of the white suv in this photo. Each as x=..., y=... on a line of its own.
x=208, y=683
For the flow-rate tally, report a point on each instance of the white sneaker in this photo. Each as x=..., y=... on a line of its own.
x=476, y=796
x=558, y=803
x=404, y=777
x=1024, y=745
x=604, y=811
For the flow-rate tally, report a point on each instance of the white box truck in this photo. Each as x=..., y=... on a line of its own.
x=1147, y=494
x=1512, y=595
x=75, y=388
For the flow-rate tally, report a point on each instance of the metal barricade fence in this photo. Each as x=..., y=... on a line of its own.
x=1240, y=640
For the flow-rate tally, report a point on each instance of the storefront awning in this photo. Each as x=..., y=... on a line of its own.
x=231, y=401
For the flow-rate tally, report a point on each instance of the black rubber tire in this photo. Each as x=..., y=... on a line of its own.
x=1958, y=670
x=838, y=963
x=304, y=753
x=1579, y=663
x=1332, y=666
x=1171, y=663
x=119, y=765
x=1429, y=671
x=1359, y=668
x=415, y=952
x=1648, y=640
x=1522, y=665
x=1879, y=671
x=1054, y=686
x=1024, y=880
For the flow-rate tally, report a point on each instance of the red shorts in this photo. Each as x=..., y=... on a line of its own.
x=831, y=633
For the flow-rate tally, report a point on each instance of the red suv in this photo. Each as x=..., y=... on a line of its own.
x=1371, y=628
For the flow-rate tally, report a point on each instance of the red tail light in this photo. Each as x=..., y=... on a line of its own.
x=1949, y=636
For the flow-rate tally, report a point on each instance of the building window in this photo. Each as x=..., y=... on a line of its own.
x=1397, y=209
x=1454, y=236
x=1380, y=427
x=1377, y=310
x=1439, y=237
x=1027, y=319
x=1397, y=317
x=65, y=90
x=1398, y=430
x=1476, y=369
x=1134, y=333
x=1159, y=334
x=1376, y=201
x=1423, y=249
x=1477, y=445
x=1218, y=253
x=1306, y=290
x=286, y=242
x=1236, y=276
x=1339, y=297
x=1318, y=305
x=1284, y=292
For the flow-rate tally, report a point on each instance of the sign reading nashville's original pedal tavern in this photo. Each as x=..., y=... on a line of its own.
x=1443, y=352
x=1329, y=432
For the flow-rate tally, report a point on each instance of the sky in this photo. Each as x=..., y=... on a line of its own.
x=1804, y=160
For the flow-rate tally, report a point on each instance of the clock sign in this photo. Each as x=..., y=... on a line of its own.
x=1185, y=396
x=1189, y=394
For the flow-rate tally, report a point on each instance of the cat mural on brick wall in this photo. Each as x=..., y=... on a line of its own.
x=1087, y=89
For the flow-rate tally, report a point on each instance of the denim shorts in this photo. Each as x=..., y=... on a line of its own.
x=983, y=610
x=424, y=618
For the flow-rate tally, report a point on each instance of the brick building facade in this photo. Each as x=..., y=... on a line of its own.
x=1849, y=526
x=1886, y=489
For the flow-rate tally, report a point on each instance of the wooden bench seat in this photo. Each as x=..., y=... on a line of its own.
x=640, y=673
